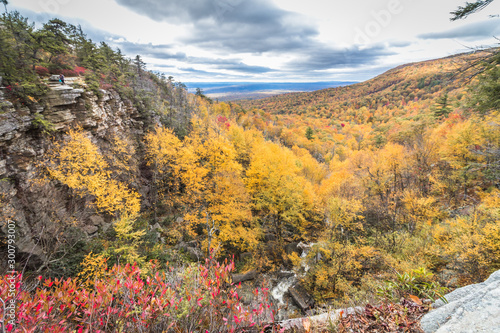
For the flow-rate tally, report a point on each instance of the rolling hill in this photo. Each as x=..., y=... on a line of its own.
x=415, y=82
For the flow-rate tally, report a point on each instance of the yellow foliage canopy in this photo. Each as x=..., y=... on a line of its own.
x=78, y=164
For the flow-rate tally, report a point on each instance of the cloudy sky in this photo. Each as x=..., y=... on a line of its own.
x=274, y=40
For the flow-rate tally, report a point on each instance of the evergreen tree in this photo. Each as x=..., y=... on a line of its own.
x=140, y=65
x=55, y=39
x=309, y=133
x=442, y=108
x=199, y=92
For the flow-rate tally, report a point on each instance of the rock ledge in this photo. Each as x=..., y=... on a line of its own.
x=471, y=309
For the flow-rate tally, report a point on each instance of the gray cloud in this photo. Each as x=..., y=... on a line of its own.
x=161, y=51
x=256, y=27
x=323, y=58
x=253, y=26
x=244, y=68
x=194, y=70
x=236, y=27
x=164, y=52
x=253, y=12
x=483, y=29
x=399, y=43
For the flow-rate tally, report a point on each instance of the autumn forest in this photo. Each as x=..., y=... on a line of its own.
x=144, y=206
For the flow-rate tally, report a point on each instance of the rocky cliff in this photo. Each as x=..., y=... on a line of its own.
x=24, y=140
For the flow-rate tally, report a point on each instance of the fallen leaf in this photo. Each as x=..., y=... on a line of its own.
x=416, y=299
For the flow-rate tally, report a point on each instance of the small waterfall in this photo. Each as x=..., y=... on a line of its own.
x=279, y=291
x=305, y=250
x=281, y=288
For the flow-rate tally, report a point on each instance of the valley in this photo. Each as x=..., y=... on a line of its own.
x=130, y=202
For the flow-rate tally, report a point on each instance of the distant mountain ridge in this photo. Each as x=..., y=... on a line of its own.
x=421, y=81
x=226, y=91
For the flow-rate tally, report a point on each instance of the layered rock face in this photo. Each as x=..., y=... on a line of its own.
x=471, y=309
x=23, y=144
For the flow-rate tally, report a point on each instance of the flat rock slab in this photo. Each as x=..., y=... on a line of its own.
x=308, y=324
x=300, y=296
x=472, y=309
x=237, y=278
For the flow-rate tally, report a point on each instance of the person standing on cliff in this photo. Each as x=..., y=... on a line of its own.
x=61, y=79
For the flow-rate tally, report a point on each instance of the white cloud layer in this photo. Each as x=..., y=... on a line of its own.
x=280, y=40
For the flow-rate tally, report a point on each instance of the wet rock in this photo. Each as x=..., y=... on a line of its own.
x=304, y=247
x=237, y=278
x=285, y=274
x=281, y=290
x=300, y=296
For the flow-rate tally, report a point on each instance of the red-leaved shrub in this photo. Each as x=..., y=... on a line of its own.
x=68, y=72
x=42, y=71
x=106, y=86
x=80, y=70
x=197, y=298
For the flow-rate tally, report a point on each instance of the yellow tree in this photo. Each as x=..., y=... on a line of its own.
x=78, y=164
x=161, y=153
x=279, y=194
x=214, y=191
x=471, y=150
x=201, y=177
x=384, y=175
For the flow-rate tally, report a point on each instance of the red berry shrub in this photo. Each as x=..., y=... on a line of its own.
x=197, y=298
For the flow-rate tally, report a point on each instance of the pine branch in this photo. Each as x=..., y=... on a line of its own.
x=469, y=8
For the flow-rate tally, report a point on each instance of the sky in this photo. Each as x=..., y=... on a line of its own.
x=274, y=40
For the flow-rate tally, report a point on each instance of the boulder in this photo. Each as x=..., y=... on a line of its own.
x=237, y=278
x=191, y=250
x=245, y=256
x=471, y=309
x=300, y=296
x=3, y=167
x=269, y=237
x=194, y=253
x=97, y=220
x=90, y=229
x=292, y=247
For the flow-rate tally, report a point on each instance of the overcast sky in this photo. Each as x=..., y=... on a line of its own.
x=274, y=40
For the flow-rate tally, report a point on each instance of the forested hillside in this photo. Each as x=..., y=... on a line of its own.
x=134, y=202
